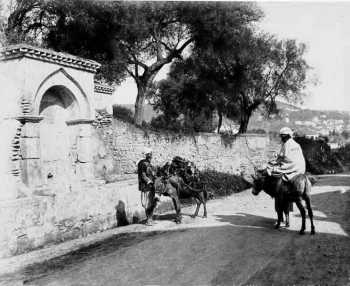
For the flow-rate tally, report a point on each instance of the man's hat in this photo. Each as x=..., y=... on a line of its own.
x=286, y=131
x=147, y=150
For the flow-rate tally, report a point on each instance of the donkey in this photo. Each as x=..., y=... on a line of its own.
x=174, y=186
x=286, y=192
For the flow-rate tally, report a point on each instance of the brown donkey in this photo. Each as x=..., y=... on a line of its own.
x=173, y=187
x=286, y=192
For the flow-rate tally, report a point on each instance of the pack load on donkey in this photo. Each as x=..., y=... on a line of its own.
x=180, y=178
x=185, y=169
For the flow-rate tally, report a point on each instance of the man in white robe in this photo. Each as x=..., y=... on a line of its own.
x=290, y=160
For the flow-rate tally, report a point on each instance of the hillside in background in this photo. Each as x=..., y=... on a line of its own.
x=148, y=111
x=303, y=121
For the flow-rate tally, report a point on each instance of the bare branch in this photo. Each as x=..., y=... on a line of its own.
x=276, y=84
x=131, y=74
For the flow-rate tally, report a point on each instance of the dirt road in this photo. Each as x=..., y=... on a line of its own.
x=236, y=245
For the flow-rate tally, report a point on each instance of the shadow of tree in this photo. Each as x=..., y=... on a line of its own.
x=322, y=260
x=173, y=254
x=334, y=180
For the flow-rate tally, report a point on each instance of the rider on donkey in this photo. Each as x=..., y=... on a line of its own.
x=284, y=179
x=290, y=159
x=289, y=163
x=146, y=178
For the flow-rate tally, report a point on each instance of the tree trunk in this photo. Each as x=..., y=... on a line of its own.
x=220, y=121
x=143, y=83
x=140, y=100
x=244, y=121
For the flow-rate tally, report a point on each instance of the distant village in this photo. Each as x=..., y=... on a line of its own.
x=333, y=126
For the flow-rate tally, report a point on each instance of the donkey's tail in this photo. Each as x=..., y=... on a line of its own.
x=308, y=185
x=205, y=193
x=204, y=190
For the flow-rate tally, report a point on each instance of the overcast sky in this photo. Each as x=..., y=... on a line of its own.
x=325, y=28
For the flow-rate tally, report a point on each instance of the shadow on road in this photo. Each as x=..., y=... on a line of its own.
x=320, y=260
x=242, y=249
x=334, y=180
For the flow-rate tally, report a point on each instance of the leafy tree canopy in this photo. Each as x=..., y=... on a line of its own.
x=255, y=71
x=130, y=38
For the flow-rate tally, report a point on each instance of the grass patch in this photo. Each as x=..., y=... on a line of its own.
x=222, y=184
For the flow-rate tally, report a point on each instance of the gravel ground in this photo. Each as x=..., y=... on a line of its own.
x=235, y=245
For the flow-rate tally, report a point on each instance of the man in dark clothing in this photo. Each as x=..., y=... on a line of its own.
x=146, y=185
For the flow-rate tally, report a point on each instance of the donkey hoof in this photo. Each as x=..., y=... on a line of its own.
x=205, y=216
x=302, y=232
x=178, y=220
x=277, y=226
x=313, y=232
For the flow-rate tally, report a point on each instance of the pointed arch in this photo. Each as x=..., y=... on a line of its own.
x=61, y=77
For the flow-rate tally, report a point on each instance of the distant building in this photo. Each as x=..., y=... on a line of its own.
x=334, y=145
x=312, y=136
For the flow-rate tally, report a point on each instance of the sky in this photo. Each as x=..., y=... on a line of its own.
x=325, y=28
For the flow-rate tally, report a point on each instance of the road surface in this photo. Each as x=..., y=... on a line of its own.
x=235, y=245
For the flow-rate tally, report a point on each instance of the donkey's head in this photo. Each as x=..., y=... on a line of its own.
x=258, y=183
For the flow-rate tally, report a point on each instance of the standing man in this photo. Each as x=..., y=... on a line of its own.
x=290, y=160
x=146, y=185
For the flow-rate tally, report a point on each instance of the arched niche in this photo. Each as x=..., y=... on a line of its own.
x=58, y=139
x=64, y=130
x=61, y=78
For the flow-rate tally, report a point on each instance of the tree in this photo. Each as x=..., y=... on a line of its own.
x=192, y=90
x=2, y=27
x=259, y=70
x=253, y=71
x=129, y=38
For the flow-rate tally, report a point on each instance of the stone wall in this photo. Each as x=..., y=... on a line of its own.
x=123, y=145
x=110, y=198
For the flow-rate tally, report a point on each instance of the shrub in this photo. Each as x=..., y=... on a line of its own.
x=318, y=156
x=343, y=154
x=256, y=131
x=198, y=124
x=222, y=184
x=123, y=113
x=161, y=123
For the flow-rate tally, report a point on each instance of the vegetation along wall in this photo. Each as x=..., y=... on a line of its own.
x=95, y=204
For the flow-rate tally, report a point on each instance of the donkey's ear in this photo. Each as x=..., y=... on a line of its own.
x=253, y=177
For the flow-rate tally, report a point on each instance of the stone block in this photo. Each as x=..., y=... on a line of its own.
x=30, y=148
x=85, y=171
x=85, y=130
x=31, y=172
x=85, y=152
x=30, y=129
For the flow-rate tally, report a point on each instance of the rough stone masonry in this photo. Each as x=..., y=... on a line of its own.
x=67, y=168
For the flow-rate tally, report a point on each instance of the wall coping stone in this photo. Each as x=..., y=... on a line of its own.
x=29, y=118
x=103, y=88
x=79, y=121
x=46, y=55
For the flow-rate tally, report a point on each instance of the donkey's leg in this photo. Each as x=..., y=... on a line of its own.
x=204, y=207
x=279, y=213
x=197, y=207
x=200, y=199
x=311, y=215
x=279, y=219
x=176, y=202
x=303, y=215
x=286, y=213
